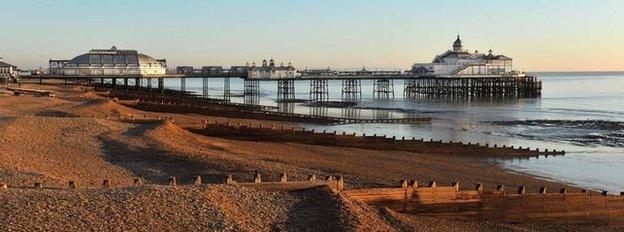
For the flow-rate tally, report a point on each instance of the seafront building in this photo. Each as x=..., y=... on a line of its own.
x=212, y=70
x=319, y=72
x=185, y=70
x=7, y=70
x=270, y=70
x=461, y=62
x=109, y=62
x=240, y=70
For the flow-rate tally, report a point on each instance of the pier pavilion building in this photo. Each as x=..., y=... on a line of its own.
x=270, y=70
x=460, y=62
x=109, y=62
x=7, y=70
x=56, y=66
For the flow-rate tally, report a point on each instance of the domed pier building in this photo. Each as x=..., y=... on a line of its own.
x=109, y=62
x=270, y=70
x=460, y=62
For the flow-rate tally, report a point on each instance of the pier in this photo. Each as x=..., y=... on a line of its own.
x=414, y=86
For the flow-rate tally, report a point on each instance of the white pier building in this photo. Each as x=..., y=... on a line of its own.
x=271, y=71
x=460, y=62
x=109, y=62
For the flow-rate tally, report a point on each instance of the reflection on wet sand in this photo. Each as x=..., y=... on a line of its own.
x=286, y=107
x=351, y=112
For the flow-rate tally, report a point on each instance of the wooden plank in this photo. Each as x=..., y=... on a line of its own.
x=351, y=192
x=380, y=198
x=288, y=186
x=447, y=202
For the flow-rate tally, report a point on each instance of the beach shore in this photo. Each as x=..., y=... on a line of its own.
x=80, y=136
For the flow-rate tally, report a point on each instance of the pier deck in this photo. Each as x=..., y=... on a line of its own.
x=414, y=85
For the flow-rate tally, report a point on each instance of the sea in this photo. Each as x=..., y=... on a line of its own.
x=579, y=112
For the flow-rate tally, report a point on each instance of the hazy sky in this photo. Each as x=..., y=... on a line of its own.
x=539, y=35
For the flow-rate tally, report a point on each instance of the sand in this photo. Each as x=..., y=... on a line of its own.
x=80, y=137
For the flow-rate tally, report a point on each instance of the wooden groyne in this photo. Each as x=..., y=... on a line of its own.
x=36, y=92
x=258, y=132
x=499, y=205
x=284, y=184
x=184, y=104
x=180, y=99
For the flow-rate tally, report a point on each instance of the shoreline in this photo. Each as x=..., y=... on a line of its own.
x=44, y=145
x=179, y=119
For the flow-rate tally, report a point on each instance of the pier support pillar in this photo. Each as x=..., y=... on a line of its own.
x=137, y=83
x=161, y=85
x=252, y=87
x=351, y=113
x=252, y=99
x=351, y=89
x=319, y=90
x=410, y=88
x=126, y=86
x=381, y=114
x=465, y=87
x=383, y=88
x=114, y=82
x=205, y=87
x=149, y=84
x=285, y=90
x=318, y=111
x=226, y=89
x=182, y=85
x=286, y=107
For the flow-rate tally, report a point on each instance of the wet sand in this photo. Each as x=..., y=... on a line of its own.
x=79, y=136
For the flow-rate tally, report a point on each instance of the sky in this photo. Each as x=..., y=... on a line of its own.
x=553, y=35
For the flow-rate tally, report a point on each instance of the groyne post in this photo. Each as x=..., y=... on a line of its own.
x=198, y=181
x=257, y=178
x=283, y=178
x=137, y=182
x=106, y=184
x=71, y=184
x=172, y=181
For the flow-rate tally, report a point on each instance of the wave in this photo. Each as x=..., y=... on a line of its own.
x=578, y=124
x=579, y=132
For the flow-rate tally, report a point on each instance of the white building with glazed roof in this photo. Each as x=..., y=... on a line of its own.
x=110, y=62
x=460, y=62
